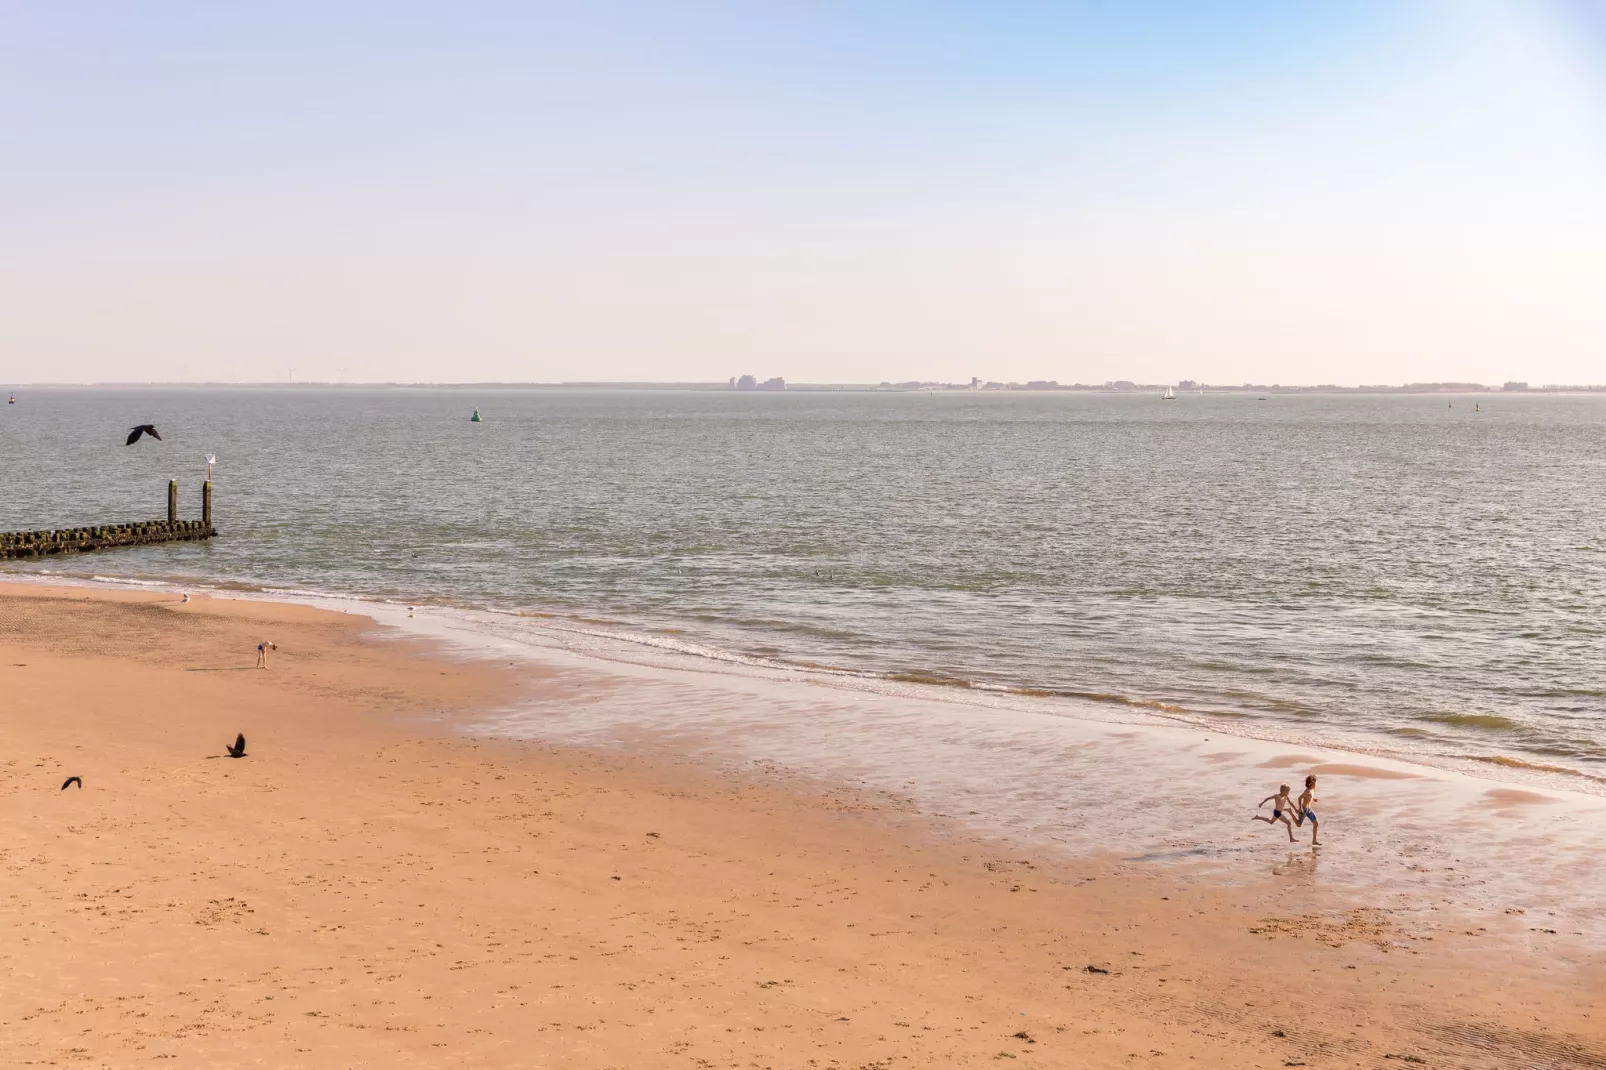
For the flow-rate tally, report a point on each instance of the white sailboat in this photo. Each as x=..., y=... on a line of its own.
x=1169, y=395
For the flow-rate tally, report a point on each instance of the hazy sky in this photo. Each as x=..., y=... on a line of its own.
x=1343, y=192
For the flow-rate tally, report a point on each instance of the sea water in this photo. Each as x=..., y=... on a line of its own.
x=1104, y=622
x=1414, y=576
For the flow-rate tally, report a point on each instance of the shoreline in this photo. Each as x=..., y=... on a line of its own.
x=1413, y=837
x=614, y=643
x=372, y=888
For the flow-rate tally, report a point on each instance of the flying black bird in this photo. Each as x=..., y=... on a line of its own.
x=238, y=750
x=142, y=429
x=70, y=781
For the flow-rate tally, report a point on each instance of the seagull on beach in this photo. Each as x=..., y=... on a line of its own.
x=142, y=429
x=70, y=781
x=238, y=749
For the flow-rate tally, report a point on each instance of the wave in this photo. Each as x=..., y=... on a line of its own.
x=130, y=581
x=1107, y=697
x=1536, y=767
x=1492, y=721
x=295, y=592
x=935, y=679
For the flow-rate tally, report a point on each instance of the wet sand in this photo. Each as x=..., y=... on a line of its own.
x=369, y=888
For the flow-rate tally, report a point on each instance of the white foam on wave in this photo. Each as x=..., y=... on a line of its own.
x=299, y=594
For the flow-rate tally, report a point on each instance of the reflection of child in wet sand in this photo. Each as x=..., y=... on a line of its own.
x=1303, y=810
x=1281, y=805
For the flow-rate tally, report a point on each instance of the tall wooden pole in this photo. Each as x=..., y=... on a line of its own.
x=206, y=504
x=172, y=501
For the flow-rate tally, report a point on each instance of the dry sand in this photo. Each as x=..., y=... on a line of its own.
x=366, y=889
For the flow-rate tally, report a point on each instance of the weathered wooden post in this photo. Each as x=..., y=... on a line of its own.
x=104, y=536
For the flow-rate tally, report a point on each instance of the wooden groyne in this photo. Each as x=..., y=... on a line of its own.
x=14, y=544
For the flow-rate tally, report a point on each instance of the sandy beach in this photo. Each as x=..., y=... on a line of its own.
x=371, y=887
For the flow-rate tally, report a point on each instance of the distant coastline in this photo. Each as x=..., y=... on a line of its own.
x=912, y=386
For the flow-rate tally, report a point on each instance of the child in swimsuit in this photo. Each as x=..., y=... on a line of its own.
x=1304, y=810
x=1281, y=806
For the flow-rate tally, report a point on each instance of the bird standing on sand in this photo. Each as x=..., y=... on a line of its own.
x=70, y=781
x=142, y=429
x=238, y=749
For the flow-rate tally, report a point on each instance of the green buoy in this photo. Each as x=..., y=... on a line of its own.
x=476, y=418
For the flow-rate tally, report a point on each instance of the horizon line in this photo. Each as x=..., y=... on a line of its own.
x=906, y=386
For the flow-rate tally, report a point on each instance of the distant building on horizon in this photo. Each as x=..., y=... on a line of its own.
x=1442, y=388
x=1187, y=384
x=750, y=382
x=1515, y=386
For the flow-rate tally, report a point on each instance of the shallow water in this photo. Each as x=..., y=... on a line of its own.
x=1051, y=776
x=1397, y=575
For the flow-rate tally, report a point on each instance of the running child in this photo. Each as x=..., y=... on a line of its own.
x=1304, y=810
x=1281, y=806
